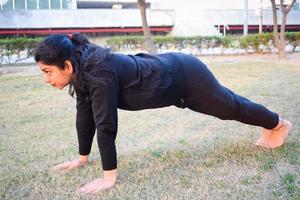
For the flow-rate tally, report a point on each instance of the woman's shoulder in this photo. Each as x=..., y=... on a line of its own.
x=100, y=72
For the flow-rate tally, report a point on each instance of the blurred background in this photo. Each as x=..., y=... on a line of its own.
x=194, y=27
x=110, y=18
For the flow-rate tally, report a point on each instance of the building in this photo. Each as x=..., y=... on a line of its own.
x=106, y=17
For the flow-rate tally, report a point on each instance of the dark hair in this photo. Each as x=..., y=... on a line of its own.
x=57, y=48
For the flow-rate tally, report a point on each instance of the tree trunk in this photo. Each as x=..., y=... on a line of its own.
x=148, y=43
x=275, y=24
x=282, y=36
x=280, y=41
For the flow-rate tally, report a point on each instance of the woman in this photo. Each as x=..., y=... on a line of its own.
x=103, y=81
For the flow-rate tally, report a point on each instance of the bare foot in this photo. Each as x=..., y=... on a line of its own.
x=276, y=136
x=96, y=186
x=70, y=165
x=265, y=136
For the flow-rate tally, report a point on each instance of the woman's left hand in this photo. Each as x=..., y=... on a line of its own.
x=96, y=186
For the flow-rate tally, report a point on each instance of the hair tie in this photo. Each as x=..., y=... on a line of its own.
x=70, y=36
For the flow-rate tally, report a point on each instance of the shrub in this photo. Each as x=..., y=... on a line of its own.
x=293, y=38
x=17, y=49
x=257, y=42
x=21, y=47
x=171, y=42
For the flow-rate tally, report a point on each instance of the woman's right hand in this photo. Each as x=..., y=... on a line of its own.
x=83, y=160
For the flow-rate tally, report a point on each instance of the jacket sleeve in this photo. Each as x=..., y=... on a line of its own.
x=104, y=89
x=85, y=125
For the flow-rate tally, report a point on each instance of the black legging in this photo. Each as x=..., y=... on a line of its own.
x=203, y=93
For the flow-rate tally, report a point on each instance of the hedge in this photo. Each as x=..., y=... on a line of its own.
x=117, y=43
x=293, y=39
x=257, y=43
x=17, y=49
x=260, y=42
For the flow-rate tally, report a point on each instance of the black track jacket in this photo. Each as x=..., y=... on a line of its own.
x=130, y=82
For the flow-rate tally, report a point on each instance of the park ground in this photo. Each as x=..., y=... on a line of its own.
x=166, y=153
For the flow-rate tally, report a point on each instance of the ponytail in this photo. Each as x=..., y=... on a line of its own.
x=78, y=39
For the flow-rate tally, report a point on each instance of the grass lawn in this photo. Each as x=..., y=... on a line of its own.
x=166, y=153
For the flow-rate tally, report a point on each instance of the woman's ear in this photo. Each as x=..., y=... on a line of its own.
x=68, y=66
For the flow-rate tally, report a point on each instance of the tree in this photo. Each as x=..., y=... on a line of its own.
x=148, y=43
x=280, y=39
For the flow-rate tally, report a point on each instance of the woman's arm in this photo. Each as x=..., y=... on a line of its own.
x=104, y=90
x=85, y=124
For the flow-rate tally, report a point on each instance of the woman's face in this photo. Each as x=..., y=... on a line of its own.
x=55, y=76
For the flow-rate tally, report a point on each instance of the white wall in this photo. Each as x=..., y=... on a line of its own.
x=205, y=4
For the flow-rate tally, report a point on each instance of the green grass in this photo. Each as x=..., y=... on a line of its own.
x=166, y=153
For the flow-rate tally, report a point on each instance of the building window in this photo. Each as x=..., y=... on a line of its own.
x=31, y=5
x=7, y=5
x=55, y=4
x=65, y=4
x=20, y=4
x=35, y=4
x=296, y=6
x=43, y=4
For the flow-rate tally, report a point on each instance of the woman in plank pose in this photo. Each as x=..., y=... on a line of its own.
x=103, y=81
